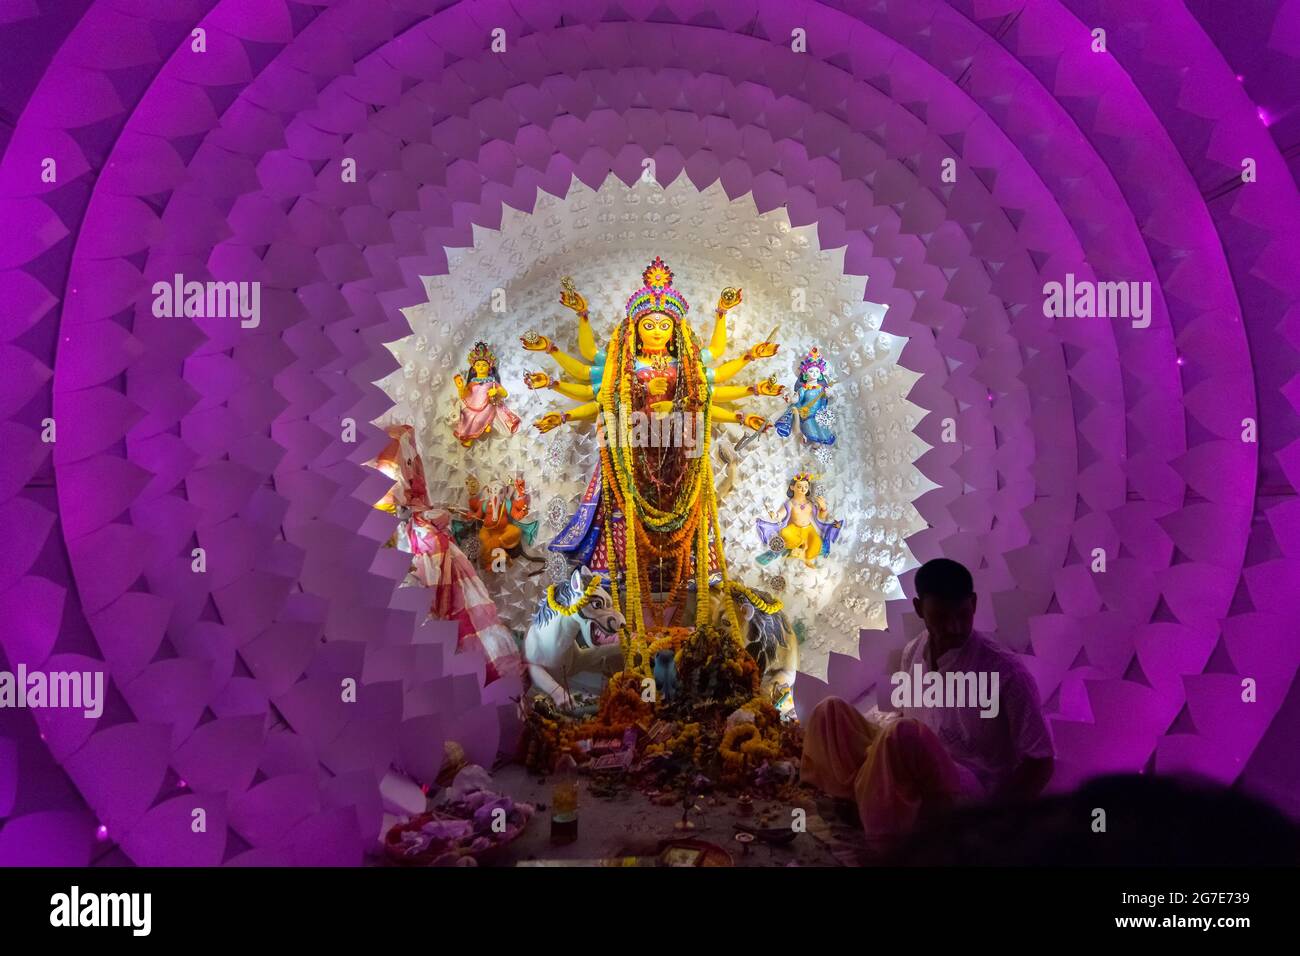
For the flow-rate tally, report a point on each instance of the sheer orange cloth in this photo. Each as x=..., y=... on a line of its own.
x=892, y=773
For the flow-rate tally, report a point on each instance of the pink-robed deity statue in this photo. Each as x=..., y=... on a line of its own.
x=482, y=398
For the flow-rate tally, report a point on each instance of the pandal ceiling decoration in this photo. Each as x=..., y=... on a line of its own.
x=1075, y=434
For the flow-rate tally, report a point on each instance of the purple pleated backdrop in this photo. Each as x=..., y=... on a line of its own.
x=181, y=433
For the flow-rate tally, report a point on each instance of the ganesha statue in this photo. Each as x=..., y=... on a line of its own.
x=498, y=514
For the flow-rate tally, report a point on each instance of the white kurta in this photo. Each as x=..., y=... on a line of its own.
x=986, y=749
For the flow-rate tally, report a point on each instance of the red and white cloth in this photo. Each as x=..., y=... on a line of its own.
x=458, y=593
x=437, y=563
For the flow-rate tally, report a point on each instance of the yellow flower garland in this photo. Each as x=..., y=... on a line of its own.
x=747, y=742
x=672, y=640
x=643, y=517
x=737, y=735
x=576, y=606
x=765, y=607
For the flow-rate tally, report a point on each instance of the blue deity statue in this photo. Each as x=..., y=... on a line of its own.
x=811, y=406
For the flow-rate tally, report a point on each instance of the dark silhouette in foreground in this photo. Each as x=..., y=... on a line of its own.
x=1150, y=821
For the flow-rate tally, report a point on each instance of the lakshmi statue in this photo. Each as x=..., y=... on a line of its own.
x=805, y=530
x=811, y=404
x=649, y=516
x=482, y=398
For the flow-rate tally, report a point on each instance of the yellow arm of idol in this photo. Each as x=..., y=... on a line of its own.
x=718, y=343
x=555, y=419
x=586, y=338
x=729, y=299
x=579, y=370
x=583, y=412
x=581, y=393
x=728, y=416
x=570, y=298
x=728, y=370
x=730, y=393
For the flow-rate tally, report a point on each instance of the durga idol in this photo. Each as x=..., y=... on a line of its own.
x=649, y=516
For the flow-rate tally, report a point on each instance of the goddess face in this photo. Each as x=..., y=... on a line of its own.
x=812, y=374
x=481, y=369
x=655, y=331
x=800, y=489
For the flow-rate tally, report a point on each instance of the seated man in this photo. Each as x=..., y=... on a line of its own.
x=935, y=755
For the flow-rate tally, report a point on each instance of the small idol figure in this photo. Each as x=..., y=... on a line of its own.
x=482, y=398
x=810, y=398
x=499, y=514
x=804, y=530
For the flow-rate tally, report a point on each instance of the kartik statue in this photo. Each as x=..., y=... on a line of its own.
x=804, y=530
x=482, y=398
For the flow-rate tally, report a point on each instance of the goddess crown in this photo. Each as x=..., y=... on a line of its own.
x=658, y=294
x=482, y=352
x=812, y=360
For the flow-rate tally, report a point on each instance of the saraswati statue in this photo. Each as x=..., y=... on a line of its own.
x=811, y=404
x=649, y=516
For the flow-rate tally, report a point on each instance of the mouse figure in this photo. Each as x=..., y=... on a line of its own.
x=665, y=671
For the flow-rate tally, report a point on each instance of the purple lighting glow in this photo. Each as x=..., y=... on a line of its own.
x=183, y=430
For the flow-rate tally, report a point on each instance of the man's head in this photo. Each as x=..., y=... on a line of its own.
x=945, y=600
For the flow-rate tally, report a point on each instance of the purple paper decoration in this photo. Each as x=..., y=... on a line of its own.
x=177, y=433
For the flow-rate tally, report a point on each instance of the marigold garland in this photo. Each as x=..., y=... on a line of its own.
x=745, y=743
x=688, y=739
x=763, y=607
x=652, y=530
x=583, y=600
x=672, y=639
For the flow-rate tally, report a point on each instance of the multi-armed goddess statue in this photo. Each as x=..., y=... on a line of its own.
x=649, y=516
